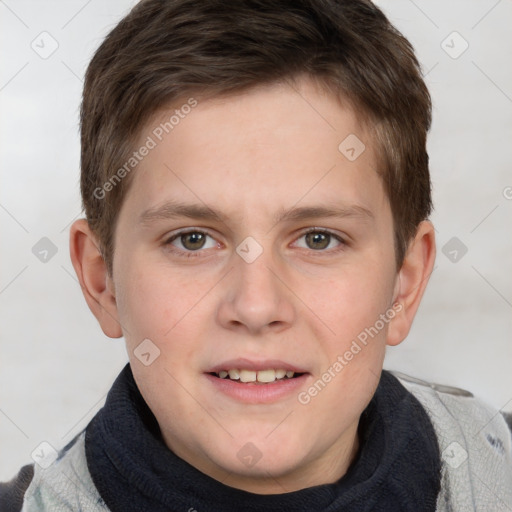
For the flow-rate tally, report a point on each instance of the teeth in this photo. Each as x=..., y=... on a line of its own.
x=233, y=374
x=247, y=376
x=264, y=376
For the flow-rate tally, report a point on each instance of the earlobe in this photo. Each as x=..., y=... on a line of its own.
x=96, y=284
x=412, y=280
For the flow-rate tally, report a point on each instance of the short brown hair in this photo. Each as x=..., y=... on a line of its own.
x=164, y=50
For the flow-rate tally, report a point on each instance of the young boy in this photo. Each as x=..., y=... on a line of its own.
x=256, y=189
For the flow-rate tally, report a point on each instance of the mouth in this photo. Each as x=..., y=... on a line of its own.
x=257, y=382
x=266, y=376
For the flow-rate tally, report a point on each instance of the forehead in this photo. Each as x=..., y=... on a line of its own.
x=258, y=152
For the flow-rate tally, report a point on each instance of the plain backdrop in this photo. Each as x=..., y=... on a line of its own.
x=55, y=363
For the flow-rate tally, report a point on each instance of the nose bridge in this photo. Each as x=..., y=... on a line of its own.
x=256, y=298
x=256, y=281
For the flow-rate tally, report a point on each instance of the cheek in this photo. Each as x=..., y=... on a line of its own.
x=162, y=306
x=353, y=301
x=145, y=302
x=354, y=349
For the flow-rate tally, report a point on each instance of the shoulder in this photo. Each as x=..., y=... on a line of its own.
x=65, y=485
x=461, y=405
x=475, y=444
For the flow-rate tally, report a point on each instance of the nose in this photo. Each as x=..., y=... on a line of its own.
x=255, y=299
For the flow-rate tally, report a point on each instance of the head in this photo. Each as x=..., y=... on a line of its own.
x=256, y=188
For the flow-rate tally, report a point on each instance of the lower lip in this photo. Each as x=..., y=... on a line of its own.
x=257, y=393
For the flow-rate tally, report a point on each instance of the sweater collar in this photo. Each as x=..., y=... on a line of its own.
x=397, y=467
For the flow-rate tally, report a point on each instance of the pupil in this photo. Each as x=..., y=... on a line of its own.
x=317, y=240
x=193, y=241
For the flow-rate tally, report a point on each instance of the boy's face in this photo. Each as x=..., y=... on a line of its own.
x=268, y=164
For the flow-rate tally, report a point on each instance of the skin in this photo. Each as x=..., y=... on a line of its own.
x=250, y=157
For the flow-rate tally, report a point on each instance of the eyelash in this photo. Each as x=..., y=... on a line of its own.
x=183, y=252
x=192, y=254
x=342, y=242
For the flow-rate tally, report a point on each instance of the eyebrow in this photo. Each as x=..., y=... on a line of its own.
x=316, y=212
x=174, y=209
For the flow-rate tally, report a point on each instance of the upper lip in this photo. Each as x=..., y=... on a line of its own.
x=248, y=364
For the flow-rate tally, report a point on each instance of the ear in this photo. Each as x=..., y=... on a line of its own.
x=97, y=285
x=411, y=281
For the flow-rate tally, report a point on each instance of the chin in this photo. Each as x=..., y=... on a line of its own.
x=259, y=458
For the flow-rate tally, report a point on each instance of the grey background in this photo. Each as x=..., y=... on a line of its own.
x=56, y=365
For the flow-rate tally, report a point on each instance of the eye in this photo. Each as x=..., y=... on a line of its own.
x=192, y=241
x=319, y=240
